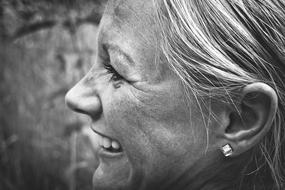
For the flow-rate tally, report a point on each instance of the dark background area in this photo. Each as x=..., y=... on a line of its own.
x=46, y=46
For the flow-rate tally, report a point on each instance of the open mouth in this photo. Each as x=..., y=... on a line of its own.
x=108, y=144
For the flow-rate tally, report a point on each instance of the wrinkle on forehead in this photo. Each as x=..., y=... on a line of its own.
x=126, y=11
x=132, y=18
x=132, y=24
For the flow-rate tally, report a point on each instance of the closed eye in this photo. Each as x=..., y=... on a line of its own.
x=115, y=76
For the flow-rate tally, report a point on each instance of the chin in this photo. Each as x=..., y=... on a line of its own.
x=116, y=175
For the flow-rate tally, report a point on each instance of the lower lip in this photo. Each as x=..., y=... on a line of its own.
x=107, y=154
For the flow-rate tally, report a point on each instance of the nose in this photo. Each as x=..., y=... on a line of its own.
x=82, y=98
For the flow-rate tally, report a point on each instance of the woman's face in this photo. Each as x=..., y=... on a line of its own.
x=148, y=134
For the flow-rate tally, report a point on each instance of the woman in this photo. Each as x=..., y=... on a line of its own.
x=187, y=95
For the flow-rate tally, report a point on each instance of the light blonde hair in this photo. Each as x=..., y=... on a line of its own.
x=217, y=47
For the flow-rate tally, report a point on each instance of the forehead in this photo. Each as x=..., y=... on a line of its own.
x=131, y=24
x=129, y=10
x=132, y=18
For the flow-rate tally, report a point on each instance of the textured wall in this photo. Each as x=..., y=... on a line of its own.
x=46, y=46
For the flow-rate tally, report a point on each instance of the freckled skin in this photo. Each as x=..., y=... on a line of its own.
x=162, y=135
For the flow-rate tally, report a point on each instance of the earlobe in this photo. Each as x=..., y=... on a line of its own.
x=252, y=119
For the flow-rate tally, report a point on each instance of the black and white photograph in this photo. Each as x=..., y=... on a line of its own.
x=142, y=94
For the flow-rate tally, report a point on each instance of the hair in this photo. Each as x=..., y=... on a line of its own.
x=217, y=47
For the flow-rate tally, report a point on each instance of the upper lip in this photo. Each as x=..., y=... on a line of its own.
x=103, y=134
x=99, y=133
x=106, y=153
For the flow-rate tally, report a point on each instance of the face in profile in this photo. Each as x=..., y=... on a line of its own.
x=149, y=134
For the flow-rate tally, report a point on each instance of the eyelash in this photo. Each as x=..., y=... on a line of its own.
x=115, y=75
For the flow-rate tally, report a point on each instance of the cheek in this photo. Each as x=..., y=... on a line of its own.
x=156, y=126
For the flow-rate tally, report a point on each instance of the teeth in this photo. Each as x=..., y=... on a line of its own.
x=115, y=145
x=108, y=143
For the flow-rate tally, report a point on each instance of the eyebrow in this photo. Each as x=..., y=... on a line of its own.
x=119, y=50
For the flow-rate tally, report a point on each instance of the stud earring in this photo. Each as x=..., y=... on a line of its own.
x=227, y=150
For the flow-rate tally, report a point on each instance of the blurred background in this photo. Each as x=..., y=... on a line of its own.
x=46, y=46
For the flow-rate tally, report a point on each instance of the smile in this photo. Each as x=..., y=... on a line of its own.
x=108, y=145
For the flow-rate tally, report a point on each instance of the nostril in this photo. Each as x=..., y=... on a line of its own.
x=79, y=110
x=72, y=101
x=83, y=101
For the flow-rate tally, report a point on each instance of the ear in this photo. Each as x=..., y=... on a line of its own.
x=252, y=118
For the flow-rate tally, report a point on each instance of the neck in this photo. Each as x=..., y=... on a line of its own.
x=222, y=174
